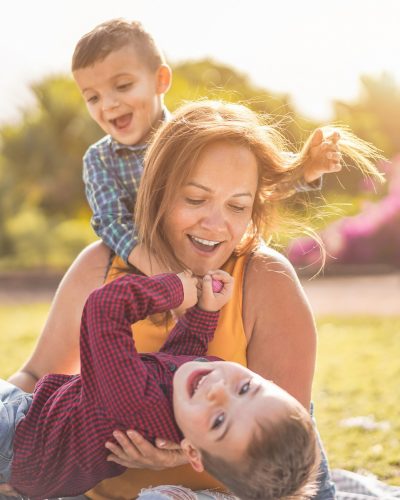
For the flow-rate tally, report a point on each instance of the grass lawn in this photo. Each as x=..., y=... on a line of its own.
x=358, y=375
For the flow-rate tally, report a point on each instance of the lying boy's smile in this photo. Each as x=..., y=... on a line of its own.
x=218, y=405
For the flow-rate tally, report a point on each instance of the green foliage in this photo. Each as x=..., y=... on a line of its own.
x=40, y=241
x=41, y=155
x=206, y=78
x=374, y=117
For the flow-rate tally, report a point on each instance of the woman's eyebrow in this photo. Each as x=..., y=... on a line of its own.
x=209, y=190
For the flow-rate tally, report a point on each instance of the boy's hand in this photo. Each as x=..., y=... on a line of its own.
x=323, y=155
x=212, y=298
x=189, y=283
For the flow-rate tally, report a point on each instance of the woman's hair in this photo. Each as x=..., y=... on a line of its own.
x=175, y=150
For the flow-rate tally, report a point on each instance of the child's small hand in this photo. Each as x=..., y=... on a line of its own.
x=212, y=298
x=189, y=283
x=323, y=155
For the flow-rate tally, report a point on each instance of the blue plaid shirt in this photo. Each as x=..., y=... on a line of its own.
x=111, y=173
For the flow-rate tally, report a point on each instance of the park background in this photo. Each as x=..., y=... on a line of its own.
x=303, y=63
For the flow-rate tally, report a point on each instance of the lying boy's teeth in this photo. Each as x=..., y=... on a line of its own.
x=205, y=242
x=199, y=382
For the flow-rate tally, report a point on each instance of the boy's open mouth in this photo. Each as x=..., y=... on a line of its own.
x=204, y=245
x=122, y=121
x=195, y=380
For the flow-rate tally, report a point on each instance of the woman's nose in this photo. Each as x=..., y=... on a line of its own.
x=214, y=219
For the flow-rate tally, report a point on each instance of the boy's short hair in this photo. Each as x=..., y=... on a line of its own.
x=281, y=462
x=113, y=35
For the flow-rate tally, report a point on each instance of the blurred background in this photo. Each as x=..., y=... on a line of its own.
x=306, y=64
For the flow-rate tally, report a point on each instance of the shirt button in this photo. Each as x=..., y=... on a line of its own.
x=172, y=366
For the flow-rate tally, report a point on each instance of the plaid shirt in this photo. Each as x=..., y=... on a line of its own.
x=111, y=173
x=59, y=446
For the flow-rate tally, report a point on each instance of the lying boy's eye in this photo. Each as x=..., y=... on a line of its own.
x=245, y=388
x=218, y=421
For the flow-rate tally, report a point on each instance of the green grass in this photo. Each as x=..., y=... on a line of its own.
x=358, y=374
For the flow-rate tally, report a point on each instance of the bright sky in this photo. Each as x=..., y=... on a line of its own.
x=313, y=50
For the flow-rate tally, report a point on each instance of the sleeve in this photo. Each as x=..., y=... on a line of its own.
x=111, y=366
x=111, y=204
x=300, y=185
x=192, y=333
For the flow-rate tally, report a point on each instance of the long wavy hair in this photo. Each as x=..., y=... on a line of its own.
x=174, y=152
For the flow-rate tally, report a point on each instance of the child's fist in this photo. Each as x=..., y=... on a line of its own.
x=189, y=283
x=215, y=291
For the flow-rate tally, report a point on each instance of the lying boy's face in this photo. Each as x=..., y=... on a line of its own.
x=217, y=406
x=122, y=94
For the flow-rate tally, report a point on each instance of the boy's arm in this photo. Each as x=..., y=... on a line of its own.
x=320, y=155
x=112, y=201
x=111, y=366
x=192, y=333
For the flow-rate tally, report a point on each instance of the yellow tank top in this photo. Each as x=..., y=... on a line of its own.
x=229, y=343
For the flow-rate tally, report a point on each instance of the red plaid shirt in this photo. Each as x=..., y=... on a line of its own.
x=59, y=446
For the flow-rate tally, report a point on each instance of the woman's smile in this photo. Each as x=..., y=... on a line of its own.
x=204, y=245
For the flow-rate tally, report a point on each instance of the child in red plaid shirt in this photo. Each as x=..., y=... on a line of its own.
x=52, y=442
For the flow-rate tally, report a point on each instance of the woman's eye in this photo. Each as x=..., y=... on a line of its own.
x=237, y=208
x=245, y=388
x=192, y=201
x=218, y=421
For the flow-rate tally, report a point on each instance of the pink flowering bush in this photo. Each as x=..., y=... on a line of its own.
x=370, y=237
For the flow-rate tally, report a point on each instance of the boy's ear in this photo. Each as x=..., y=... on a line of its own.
x=193, y=455
x=164, y=78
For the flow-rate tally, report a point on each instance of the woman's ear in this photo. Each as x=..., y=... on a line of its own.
x=164, y=78
x=193, y=455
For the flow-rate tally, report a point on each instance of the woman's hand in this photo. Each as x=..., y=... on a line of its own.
x=135, y=452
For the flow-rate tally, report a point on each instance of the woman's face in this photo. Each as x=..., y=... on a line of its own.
x=213, y=208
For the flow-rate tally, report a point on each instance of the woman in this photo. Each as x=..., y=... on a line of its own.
x=214, y=177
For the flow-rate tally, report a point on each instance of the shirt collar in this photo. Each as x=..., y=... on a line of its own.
x=136, y=148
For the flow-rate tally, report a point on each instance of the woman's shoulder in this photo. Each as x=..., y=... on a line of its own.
x=267, y=266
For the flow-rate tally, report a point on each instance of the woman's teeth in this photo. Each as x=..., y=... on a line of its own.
x=208, y=243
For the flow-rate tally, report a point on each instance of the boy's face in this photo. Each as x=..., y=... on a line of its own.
x=123, y=95
x=217, y=406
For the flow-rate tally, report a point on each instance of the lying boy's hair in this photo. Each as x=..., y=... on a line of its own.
x=113, y=35
x=281, y=462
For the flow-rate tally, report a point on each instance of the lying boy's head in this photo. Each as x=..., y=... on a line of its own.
x=122, y=76
x=246, y=431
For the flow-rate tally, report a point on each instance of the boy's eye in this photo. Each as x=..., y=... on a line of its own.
x=218, y=421
x=92, y=100
x=245, y=388
x=124, y=86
